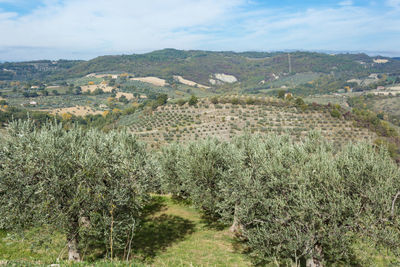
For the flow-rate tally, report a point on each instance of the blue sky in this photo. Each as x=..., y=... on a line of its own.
x=83, y=29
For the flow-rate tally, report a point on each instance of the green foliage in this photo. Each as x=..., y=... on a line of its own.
x=13, y=113
x=90, y=185
x=181, y=102
x=336, y=113
x=281, y=94
x=203, y=166
x=171, y=180
x=193, y=100
x=299, y=102
x=294, y=201
x=160, y=101
x=214, y=100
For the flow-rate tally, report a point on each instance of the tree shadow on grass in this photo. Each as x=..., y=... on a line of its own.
x=158, y=233
x=211, y=222
x=156, y=204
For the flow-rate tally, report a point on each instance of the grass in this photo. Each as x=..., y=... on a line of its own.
x=205, y=246
x=172, y=234
x=36, y=245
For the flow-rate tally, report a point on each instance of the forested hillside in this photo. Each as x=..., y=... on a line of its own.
x=199, y=65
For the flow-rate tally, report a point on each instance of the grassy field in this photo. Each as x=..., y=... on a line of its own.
x=172, y=234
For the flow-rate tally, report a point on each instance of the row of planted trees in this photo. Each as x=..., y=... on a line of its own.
x=288, y=202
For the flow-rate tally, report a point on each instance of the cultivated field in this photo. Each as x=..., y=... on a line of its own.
x=152, y=80
x=92, y=88
x=190, y=83
x=187, y=123
x=77, y=111
x=128, y=96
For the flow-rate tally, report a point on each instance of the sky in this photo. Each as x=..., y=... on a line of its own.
x=84, y=29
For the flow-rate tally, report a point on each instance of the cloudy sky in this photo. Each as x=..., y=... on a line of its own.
x=83, y=29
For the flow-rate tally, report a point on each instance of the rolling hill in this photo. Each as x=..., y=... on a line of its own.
x=246, y=70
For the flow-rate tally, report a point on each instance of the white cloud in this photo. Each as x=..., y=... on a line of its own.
x=87, y=28
x=113, y=26
x=345, y=28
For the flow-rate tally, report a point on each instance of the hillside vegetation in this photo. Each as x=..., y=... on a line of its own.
x=230, y=116
x=253, y=70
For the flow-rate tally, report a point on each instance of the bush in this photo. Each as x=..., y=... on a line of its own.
x=336, y=113
x=193, y=100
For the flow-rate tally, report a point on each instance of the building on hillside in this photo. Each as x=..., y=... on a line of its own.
x=380, y=88
x=33, y=103
x=374, y=76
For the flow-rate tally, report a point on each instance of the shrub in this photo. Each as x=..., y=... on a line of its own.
x=193, y=100
x=336, y=113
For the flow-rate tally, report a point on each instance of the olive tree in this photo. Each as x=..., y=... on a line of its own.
x=171, y=180
x=303, y=202
x=88, y=184
x=203, y=167
x=371, y=182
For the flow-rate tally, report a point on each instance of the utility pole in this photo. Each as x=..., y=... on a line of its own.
x=290, y=63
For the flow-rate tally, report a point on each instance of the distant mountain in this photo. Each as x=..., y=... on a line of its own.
x=250, y=69
x=34, y=70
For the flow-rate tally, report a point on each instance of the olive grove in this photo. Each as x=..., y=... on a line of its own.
x=302, y=203
x=295, y=202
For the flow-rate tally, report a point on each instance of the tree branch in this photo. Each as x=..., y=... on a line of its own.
x=393, y=203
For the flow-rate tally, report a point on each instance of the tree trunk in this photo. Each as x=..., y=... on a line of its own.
x=236, y=226
x=314, y=262
x=73, y=251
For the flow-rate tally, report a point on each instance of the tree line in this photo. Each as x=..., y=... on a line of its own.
x=288, y=202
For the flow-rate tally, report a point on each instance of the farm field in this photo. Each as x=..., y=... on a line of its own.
x=77, y=111
x=188, y=123
x=152, y=80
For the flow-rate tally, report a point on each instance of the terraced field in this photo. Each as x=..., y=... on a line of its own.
x=187, y=123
